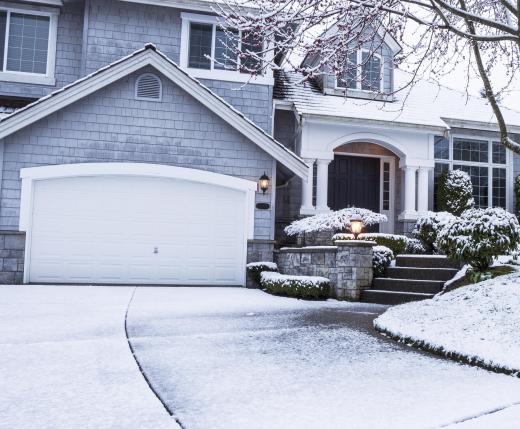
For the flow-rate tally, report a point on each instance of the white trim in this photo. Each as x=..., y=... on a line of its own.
x=148, y=56
x=30, y=175
x=196, y=5
x=212, y=73
x=32, y=78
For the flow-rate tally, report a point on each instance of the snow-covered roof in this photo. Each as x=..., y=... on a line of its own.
x=426, y=104
x=6, y=110
x=151, y=56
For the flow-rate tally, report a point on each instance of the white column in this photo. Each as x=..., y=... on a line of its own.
x=322, y=185
x=307, y=207
x=409, y=211
x=422, y=190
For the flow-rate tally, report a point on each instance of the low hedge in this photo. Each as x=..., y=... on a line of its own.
x=304, y=287
x=396, y=243
x=255, y=269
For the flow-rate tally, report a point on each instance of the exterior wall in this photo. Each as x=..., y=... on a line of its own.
x=348, y=266
x=117, y=29
x=68, y=55
x=12, y=252
x=111, y=126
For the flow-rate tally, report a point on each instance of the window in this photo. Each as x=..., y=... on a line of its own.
x=371, y=65
x=483, y=160
x=212, y=51
x=27, y=45
x=386, y=186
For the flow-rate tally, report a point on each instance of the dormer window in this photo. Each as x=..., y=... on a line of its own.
x=210, y=51
x=364, y=72
x=27, y=45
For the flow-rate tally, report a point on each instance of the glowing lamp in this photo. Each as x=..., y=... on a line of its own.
x=356, y=225
x=263, y=182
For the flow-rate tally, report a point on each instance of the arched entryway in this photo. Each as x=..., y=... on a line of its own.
x=363, y=174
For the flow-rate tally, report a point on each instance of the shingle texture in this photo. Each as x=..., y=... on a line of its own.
x=111, y=126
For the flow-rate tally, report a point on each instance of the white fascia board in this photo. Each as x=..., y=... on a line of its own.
x=126, y=66
x=57, y=3
x=375, y=123
x=475, y=125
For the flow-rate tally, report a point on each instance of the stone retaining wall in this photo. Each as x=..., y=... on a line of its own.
x=12, y=253
x=347, y=264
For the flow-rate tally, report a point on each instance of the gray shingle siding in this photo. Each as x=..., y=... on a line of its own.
x=117, y=29
x=111, y=126
x=68, y=55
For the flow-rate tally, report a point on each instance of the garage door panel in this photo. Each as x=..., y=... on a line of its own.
x=106, y=229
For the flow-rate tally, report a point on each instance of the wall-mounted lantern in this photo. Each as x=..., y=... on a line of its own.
x=263, y=182
x=356, y=225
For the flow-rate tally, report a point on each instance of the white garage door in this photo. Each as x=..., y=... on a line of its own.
x=137, y=230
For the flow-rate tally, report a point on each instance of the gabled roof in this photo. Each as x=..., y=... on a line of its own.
x=425, y=105
x=150, y=56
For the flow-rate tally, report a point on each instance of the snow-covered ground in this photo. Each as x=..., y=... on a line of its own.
x=235, y=358
x=65, y=362
x=225, y=358
x=480, y=322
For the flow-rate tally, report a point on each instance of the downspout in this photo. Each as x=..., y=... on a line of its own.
x=84, y=42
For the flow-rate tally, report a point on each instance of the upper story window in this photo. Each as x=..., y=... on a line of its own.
x=364, y=71
x=210, y=51
x=27, y=45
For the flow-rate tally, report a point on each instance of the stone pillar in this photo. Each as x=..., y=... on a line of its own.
x=422, y=190
x=409, y=211
x=322, y=185
x=354, y=268
x=307, y=206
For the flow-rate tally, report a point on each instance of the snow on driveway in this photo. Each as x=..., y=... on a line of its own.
x=65, y=361
x=235, y=359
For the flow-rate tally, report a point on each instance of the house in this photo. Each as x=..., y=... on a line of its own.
x=127, y=156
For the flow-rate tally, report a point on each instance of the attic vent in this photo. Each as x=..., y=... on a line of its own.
x=148, y=87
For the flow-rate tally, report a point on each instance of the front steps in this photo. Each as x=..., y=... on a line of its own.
x=414, y=277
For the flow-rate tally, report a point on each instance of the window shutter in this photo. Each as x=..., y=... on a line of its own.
x=148, y=87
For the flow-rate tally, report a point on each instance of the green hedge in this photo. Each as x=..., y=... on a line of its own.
x=295, y=286
x=396, y=243
x=255, y=269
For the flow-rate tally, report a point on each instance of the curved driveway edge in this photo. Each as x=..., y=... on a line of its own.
x=65, y=361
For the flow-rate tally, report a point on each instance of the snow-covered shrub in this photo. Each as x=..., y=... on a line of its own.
x=517, y=196
x=455, y=193
x=479, y=235
x=396, y=243
x=428, y=226
x=256, y=268
x=381, y=260
x=333, y=221
x=305, y=287
x=414, y=246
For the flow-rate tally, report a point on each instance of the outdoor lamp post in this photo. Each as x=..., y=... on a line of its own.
x=263, y=182
x=356, y=225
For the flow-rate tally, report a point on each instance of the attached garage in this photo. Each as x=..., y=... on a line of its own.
x=118, y=223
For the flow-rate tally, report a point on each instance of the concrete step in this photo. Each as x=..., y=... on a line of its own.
x=440, y=274
x=425, y=261
x=408, y=285
x=392, y=298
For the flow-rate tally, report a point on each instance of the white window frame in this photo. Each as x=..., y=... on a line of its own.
x=359, y=71
x=508, y=166
x=213, y=73
x=34, y=78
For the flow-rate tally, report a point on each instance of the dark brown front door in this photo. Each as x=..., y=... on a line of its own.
x=354, y=181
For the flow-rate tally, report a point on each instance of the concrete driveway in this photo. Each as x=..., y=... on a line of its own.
x=223, y=358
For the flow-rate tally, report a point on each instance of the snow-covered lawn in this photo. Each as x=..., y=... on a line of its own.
x=65, y=362
x=235, y=358
x=480, y=322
